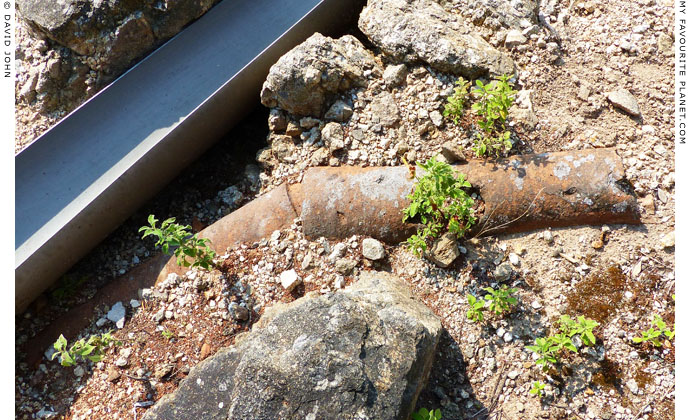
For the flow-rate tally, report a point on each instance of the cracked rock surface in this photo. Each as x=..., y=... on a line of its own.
x=364, y=352
x=422, y=30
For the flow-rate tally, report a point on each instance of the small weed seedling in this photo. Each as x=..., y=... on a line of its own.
x=500, y=300
x=546, y=351
x=537, y=388
x=91, y=349
x=168, y=334
x=424, y=414
x=477, y=308
x=496, y=301
x=495, y=99
x=655, y=331
x=549, y=347
x=456, y=102
x=582, y=326
x=441, y=203
x=173, y=235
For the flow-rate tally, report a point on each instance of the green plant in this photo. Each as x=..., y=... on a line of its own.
x=173, y=235
x=456, y=102
x=424, y=414
x=477, y=307
x=582, y=326
x=441, y=203
x=537, y=388
x=169, y=335
x=494, y=145
x=91, y=349
x=500, y=300
x=494, y=101
x=546, y=350
x=655, y=331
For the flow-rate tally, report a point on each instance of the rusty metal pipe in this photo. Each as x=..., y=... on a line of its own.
x=520, y=193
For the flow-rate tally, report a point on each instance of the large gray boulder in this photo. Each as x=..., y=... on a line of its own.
x=422, y=30
x=361, y=353
x=110, y=33
x=304, y=80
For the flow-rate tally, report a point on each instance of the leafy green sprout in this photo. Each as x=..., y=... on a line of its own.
x=583, y=326
x=173, y=235
x=424, y=414
x=91, y=349
x=500, y=300
x=496, y=301
x=657, y=329
x=537, y=388
x=549, y=347
x=494, y=100
x=477, y=307
x=441, y=203
x=169, y=335
x=546, y=351
x=456, y=102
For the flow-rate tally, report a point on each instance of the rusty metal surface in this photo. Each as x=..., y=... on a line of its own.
x=343, y=201
x=581, y=187
x=250, y=223
x=521, y=193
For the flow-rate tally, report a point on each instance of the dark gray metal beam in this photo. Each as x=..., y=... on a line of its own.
x=82, y=178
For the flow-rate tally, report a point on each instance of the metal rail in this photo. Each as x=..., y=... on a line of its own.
x=86, y=175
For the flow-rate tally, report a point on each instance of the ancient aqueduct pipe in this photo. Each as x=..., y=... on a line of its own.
x=520, y=193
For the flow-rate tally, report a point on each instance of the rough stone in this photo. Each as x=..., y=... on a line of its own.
x=436, y=118
x=373, y=249
x=422, y=30
x=339, y=111
x=345, y=266
x=239, y=313
x=384, y=109
x=333, y=136
x=116, y=314
x=277, y=121
x=503, y=271
x=283, y=148
x=111, y=33
x=669, y=240
x=309, y=122
x=452, y=152
x=293, y=129
x=514, y=38
x=305, y=78
x=625, y=101
x=394, y=75
x=363, y=352
x=163, y=370
x=289, y=279
x=496, y=14
x=444, y=250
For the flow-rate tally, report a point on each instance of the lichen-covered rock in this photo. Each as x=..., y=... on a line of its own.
x=422, y=30
x=110, y=33
x=364, y=352
x=497, y=14
x=305, y=79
